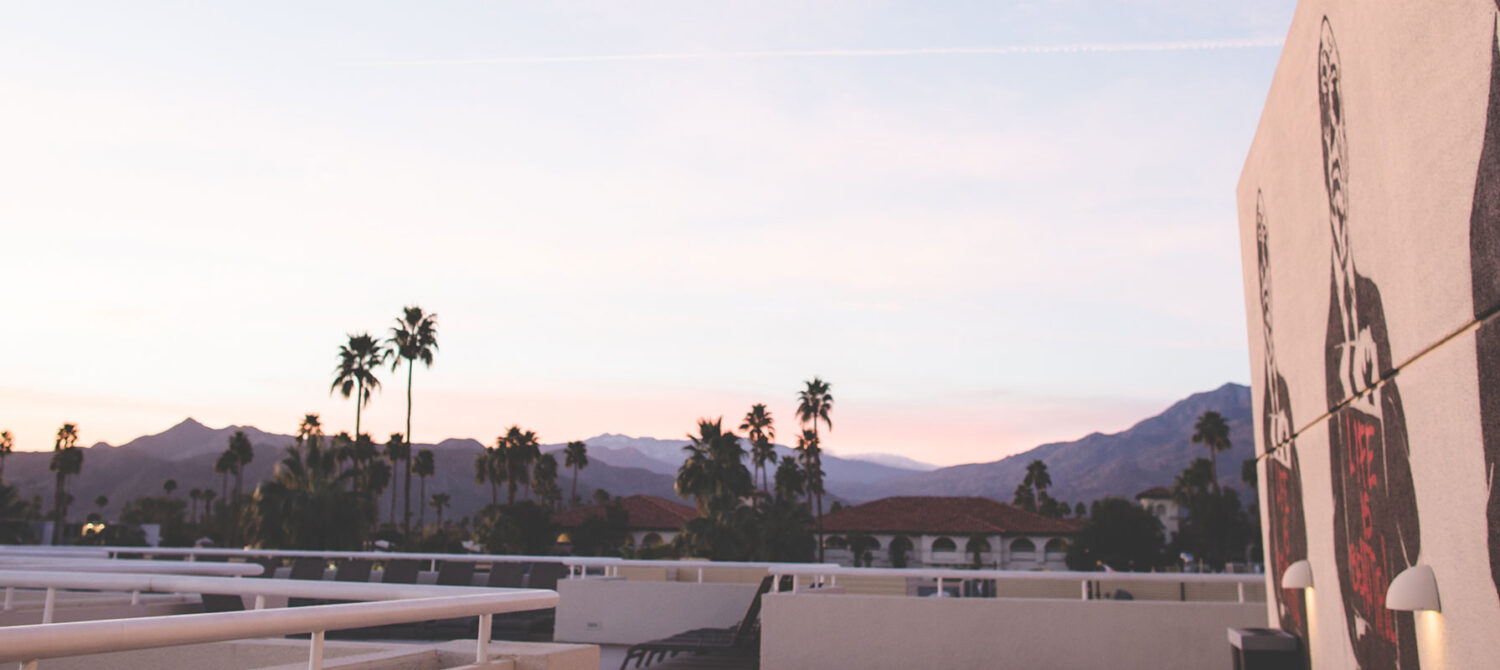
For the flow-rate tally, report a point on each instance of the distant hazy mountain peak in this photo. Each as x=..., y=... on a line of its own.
x=892, y=460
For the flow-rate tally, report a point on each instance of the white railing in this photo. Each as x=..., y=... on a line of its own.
x=129, y=565
x=400, y=603
x=577, y=565
x=820, y=576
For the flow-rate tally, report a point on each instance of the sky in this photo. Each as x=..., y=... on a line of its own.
x=988, y=225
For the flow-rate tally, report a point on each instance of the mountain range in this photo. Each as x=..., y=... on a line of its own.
x=1150, y=453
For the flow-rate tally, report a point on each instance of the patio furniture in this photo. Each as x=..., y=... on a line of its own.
x=741, y=639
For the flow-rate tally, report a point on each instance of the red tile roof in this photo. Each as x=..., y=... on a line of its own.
x=942, y=515
x=646, y=513
x=1155, y=492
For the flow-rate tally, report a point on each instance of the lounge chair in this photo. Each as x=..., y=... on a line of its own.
x=506, y=575
x=400, y=571
x=307, y=568
x=741, y=639
x=455, y=573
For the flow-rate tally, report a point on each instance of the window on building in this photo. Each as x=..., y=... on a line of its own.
x=1023, y=550
x=1056, y=550
x=651, y=540
x=944, y=544
x=834, y=542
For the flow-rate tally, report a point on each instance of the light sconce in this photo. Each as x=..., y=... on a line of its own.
x=1413, y=590
x=1297, y=576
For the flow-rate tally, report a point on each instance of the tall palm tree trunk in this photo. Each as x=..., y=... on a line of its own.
x=422, y=516
x=358, y=405
x=57, y=510
x=411, y=366
x=572, y=496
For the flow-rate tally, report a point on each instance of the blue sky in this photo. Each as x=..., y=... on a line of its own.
x=981, y=251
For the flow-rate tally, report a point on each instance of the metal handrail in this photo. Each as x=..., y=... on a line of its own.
x=577, y=565
x=130, y=565
x=822, y=576
x=399, y=603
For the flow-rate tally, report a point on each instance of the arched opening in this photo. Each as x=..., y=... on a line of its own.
x=651, y=540
x=1161, y=510
x=978, y=545
x=1023, y=550
x=900, y=551
x=944, y=544
x=834, y=542
x=562, y=538
x=1056, y=550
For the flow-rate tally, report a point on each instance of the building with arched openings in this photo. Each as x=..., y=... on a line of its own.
x=940, y=531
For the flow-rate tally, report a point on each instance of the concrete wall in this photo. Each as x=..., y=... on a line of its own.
x=1369, y=212
x=854, y=631
x=616, y=611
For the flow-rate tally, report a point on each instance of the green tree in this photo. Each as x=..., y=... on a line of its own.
x=522, y=448
x=7, y=445
x=520, y=528
x=760, y=430
x=397, y=451
x=603, y=534
x=244, y=453
x=544, y=480
x=715, y=476
x=423, y=467
x=1213, y=432
x=169, y=486
x=224, y=465
x=355, y=372
x=14, y=525
x=1118, y=534
x=1025, y=497
x=601, y=496
x=575, y=456
x=814, y=402
x=1217, y=529
x=440, y=501
x=414, y=338
x=67, y=460
x=489, y=467
x=307, y=504
x=1249, y=475
x=1194, y=482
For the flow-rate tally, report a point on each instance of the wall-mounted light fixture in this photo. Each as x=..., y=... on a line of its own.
x=1297, y=576
x=1413, y=590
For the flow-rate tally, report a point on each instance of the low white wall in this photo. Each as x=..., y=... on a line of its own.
x=854, y=631
x=616, y=611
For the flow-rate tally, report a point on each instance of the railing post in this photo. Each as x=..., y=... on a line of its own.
x=482, y=654
x=795, y=579
x=700, y=575
x=940, y=587
x=260, y=602
x=10, y=596
x=1085, y=588
x=1241, y=586
x=29, y=665
x=135, y=598
x=315, y=654
x=51, y=604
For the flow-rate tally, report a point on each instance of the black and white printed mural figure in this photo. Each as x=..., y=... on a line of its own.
x=1484, y=263
x=1374, y=509
x=1283, y=481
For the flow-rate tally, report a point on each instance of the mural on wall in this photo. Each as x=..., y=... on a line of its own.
x=1484, y=257
x=1283, y=481
x=1376, y=535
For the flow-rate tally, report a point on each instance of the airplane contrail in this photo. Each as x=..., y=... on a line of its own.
x=1195, y=45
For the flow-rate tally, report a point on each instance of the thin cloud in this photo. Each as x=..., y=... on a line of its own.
x=1194, y=45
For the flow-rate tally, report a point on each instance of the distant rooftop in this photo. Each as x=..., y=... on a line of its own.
x=948, y=515
x=1155, y=493
x=646, y=512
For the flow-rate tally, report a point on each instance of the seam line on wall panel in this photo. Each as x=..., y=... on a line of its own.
x=1395, y=370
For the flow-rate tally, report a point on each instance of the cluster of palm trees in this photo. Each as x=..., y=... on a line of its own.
x=714, y=475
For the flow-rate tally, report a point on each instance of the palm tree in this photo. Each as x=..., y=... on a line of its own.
x=575, y=456
x=396, y=451
x=1213, y=432
x=489, y=468
x=814, y=402
x=522, y=449
x=423, y=467
x=306, y=504
x=1036, y=476
x=223, y=466
x=356, y=371
x=414, y=338
x=811, y=455
x=169, y=486
x=67, y=460
x=7, y=445
x=761, y=431
x=439, y=502
x=244, y=453
x=194, y=495
x=544, y=480
x=208, y=501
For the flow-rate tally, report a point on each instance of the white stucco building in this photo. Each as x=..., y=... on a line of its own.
x=941, y=531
